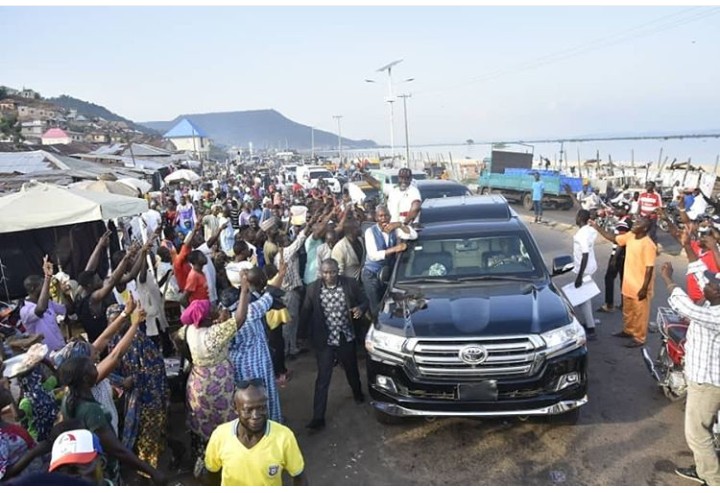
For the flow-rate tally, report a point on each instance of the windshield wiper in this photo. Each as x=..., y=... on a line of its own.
x=428, y=280
x=494, y=277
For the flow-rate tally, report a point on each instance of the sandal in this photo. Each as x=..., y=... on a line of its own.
x=606, y=309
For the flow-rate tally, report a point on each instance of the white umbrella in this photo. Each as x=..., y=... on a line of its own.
x=141, y=185
x=182, y=175
x=106, y=187
x=41, y=205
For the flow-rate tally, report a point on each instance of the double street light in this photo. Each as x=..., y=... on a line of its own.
x=391, y=100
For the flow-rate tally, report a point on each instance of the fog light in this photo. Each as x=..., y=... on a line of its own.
x=568, y=380
x=386, y=383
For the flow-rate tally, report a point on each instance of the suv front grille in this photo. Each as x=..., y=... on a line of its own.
x=506, y=357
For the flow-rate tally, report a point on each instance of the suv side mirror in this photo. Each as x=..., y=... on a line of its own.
x=561, y=265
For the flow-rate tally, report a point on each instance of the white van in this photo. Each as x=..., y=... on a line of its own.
x=308, y=177
x=389, y=178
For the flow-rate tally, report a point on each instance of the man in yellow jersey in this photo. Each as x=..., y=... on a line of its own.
x=253, y=450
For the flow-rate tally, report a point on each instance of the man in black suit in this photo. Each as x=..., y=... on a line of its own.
x=332, y=304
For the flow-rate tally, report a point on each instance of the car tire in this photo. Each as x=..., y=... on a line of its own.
x=387, y=419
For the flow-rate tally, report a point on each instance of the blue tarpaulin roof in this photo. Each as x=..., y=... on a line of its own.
x=185, y=128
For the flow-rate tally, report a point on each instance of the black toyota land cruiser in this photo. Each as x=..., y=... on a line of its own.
x=472, y=324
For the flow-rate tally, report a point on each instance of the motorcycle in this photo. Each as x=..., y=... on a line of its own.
x=668, y=366
x=672, y=215
x=605, y=218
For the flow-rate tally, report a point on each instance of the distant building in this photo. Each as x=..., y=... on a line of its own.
x=36, y=112
x=56, y=136
x=8, y=106
x=97, y=138
x=186, y=136
x=33, y=130
x=27, y=93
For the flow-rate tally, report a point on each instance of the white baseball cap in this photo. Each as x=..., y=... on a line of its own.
x=74, y=447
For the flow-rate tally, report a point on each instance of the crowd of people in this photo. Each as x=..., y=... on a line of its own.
x=240, y=274
x=633, y=258
x=235, y=275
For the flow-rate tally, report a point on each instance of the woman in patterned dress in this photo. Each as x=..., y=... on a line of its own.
x=141, y=373
x=210, y=385
x=249, y=350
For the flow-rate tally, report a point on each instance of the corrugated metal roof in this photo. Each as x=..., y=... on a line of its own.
x=27, y=162
x=146, y=150
x=185, y=128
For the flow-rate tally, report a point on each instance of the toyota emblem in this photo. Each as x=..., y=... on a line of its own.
x=473, y=355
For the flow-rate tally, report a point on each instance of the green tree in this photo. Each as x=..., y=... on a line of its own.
x=3, y=93
x=469, y=142
x=10, y=127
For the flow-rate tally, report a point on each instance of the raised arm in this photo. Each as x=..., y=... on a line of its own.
x=104, y=339
x=44, y=298
x=100, y=248
x=115, y=277
x=244, y=301
x=605, y=234
x=112, y=360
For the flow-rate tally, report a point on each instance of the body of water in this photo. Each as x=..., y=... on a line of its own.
x=700, y=151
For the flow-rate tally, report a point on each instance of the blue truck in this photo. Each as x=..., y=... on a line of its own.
x=511, y=175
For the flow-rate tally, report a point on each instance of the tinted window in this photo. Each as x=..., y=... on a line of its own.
x=320, y=174
x=438, y=193
x=497, y=255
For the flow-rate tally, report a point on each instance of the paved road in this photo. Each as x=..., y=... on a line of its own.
x=628, y=433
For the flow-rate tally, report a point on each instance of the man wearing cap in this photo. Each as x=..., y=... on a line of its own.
x=702, y=366
x=404, y=200
x=78, y=453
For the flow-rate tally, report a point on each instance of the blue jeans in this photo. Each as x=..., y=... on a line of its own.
x=537, y=205
x=374, y=289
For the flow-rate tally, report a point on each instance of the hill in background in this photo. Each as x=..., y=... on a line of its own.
x=92, y=110
x=264, y=128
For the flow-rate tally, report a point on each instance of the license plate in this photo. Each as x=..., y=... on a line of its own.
x=481, y=391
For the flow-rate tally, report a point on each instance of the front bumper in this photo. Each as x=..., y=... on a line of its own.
x=558, y=408
x=533, y=395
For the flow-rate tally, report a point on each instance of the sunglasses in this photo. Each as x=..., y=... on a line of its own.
x=253, y=382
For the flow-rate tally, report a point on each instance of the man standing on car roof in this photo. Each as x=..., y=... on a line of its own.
x=404, y=199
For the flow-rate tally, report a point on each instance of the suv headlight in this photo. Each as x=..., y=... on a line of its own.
x=564, y=339
x=377, y=341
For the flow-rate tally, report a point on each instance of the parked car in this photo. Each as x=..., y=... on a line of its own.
x=472, y=324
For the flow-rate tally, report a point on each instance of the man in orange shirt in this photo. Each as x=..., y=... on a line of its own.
x=637, y=285
x=196, y=285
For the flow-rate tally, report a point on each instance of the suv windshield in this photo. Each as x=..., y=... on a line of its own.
x=415, y=176
x=320, y=174
x=485, y=257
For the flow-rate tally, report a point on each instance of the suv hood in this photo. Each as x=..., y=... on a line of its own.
x=498, y=309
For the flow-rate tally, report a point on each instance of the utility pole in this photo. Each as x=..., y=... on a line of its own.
x=407, y=141
x=312, y=144
x=338, y=118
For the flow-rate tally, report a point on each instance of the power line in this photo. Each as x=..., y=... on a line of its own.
x=666, y=22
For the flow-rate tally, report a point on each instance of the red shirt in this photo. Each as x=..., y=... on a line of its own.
x=296, y=187
x=648, y=203
x=181, y=267
x=693, y=289
x=196, y=286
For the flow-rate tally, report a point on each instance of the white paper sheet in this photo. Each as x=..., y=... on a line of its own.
x=578, y=296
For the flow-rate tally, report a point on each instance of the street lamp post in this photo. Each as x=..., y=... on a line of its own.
x=407, y=140
x=312, y=144
x=391, y=100
x=338, y=117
